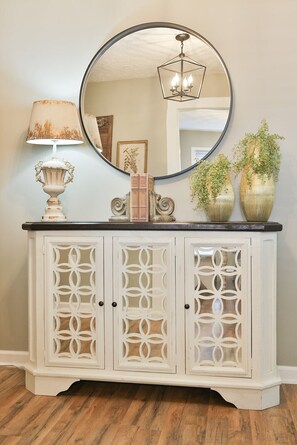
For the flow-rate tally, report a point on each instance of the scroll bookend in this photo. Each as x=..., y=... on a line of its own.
x=161, y=209
x=120, y=208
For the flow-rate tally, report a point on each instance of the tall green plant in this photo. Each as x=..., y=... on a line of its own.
x=259, y=153
x=208, y=180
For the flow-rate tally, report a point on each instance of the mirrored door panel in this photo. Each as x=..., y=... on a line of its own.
x=145, y=298
x=74, y=333
x=218, y=295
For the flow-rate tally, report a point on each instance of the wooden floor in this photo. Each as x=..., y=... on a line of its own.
x=121, y=414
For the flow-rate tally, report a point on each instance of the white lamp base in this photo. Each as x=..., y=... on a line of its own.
x=53, y=184
x=53, y=210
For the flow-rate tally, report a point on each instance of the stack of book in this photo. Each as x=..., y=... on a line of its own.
x=141, y=185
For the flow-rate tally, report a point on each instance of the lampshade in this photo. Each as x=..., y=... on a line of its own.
x=93, y=130
x=181, y=78
x=54, y=120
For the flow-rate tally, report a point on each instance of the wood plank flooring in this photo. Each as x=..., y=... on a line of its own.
x=95, y=413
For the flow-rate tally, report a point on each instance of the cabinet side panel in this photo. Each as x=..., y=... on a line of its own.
x=32, y=296
x=264, y=307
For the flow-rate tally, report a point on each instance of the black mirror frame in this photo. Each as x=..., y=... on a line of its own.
x=123, y=34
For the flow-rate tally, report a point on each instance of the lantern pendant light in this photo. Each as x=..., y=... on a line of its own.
x=181, y=78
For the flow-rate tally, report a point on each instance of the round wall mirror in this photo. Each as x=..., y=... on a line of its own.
x=156, y=99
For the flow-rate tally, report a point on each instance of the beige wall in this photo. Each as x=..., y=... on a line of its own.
x=137, y=106
x=215, y=85
x=200, y=139
x=45, y=48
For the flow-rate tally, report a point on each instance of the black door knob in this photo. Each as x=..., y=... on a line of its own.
x=101, y=303
x=187, y=306
x=114, y=304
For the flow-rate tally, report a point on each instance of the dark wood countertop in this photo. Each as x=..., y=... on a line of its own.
x=236, y=226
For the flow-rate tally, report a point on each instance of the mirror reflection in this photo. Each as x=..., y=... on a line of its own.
x=125, y=114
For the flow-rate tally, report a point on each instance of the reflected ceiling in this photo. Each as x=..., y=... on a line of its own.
x=138, y=55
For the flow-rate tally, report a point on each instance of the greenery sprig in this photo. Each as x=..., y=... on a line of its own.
x=208, y=180
x=258, y=153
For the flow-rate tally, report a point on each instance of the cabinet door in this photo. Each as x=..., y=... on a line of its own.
x=145, y=313
x=219, y=307
x=74, y=330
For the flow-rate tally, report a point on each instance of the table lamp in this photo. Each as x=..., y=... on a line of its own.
x=54, y=122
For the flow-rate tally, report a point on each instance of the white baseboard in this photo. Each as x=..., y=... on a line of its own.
x=13, y=358
x=288, y=374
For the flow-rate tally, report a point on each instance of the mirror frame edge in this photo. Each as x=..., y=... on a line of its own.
x=123, y=34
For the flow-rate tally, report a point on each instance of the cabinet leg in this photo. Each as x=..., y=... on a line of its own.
x=256, y=399
x=46, y=385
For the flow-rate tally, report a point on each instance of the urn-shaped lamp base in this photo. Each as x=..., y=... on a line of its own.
x=53, y=183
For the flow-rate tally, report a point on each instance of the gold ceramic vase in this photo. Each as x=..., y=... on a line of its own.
x=220, y=208
x=257, y=197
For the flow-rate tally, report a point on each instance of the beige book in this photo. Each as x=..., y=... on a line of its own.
x=134, y=197
x=146, y=185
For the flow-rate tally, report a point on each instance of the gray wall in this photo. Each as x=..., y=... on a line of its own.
x=45, y=48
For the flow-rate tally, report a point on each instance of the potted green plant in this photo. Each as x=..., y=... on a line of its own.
x=257, y=156
x=211, y=188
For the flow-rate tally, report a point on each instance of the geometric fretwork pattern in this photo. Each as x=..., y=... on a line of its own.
x=217, y=306
x=73, y=324
x=143, y=314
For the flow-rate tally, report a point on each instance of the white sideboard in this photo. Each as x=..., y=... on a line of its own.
x=191, y=304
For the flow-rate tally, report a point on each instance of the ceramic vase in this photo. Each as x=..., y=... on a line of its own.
x=220, y=208
x=257, y=197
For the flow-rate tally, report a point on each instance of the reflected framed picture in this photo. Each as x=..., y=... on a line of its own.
x=132, y=156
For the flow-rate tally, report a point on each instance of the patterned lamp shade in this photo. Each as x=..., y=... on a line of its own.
x=54, y=121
